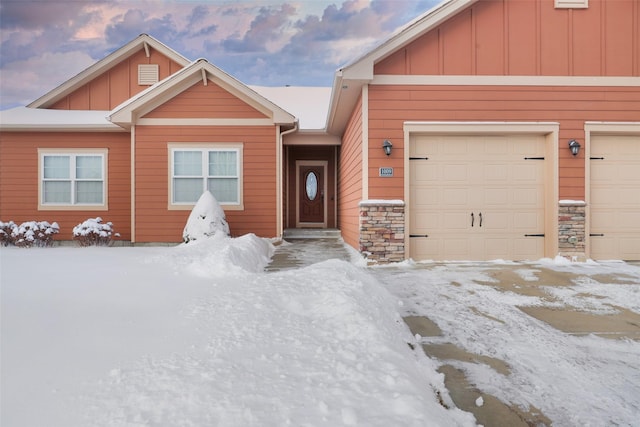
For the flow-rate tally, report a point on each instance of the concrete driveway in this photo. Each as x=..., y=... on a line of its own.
x=518, y=344
x=523, y=344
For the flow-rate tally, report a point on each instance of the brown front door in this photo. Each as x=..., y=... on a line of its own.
x=311, y=194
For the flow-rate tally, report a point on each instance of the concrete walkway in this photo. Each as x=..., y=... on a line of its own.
x=301, y=252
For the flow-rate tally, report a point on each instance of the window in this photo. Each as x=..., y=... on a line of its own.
x=214, y=168
x=69, y=179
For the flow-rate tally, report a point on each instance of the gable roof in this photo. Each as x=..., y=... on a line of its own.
x=126, y=113
x=143, y=41
x=348, y=80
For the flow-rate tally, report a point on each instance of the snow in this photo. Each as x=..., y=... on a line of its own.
x=381, y=202
x=34, y=118
x=207, y=219
x=199, y=334
x=573, y=379
x=309, y=104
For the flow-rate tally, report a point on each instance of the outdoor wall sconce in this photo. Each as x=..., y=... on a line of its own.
x=386, y=146
x=574, y=146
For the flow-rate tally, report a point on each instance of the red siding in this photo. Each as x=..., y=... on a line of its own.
x=156, y=223
x=200, y=101
x=527, y=37
x=116, y=85
x=350, y=179
x=391, y=106
x=19, y=178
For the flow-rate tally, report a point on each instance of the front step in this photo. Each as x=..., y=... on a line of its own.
x=311, y=233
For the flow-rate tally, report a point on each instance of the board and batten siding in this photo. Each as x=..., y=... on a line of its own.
x=350, y=178
x=391, y=105
x=200, y=101
x=116, y=85
x=155, y=222
x=527, y=37
x=19, y=179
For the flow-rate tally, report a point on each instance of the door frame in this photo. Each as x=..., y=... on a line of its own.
x=550, y=131
x=325, y=167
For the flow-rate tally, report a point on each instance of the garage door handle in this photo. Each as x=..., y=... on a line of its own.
x=472, y=219
x=480, y=219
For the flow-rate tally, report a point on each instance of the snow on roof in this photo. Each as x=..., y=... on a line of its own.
x=309, y=104
x=25, y=118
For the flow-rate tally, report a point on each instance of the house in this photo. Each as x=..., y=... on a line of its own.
x=483, y=129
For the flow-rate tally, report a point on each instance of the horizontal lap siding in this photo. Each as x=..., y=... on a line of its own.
x=19, y=179
x=391, y=106
x=350, y=179
x=156, y=223
x=201, y=101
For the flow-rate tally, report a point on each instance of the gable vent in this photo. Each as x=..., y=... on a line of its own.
x=572, y=4
x=147, y=74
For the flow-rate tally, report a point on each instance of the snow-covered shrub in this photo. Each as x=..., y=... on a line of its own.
x=33, y=233
x=6, y=228
x=93, y=232
x=206, y=219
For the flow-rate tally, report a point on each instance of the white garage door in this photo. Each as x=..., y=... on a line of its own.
x=476, y=197
x=615, y=197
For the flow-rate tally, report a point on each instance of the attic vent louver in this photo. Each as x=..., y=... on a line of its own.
x=147, y=74
x=572, y=4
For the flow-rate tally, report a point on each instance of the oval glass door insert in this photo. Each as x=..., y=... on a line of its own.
x=311, y=185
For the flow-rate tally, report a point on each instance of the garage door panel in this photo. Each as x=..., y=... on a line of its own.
x=479, y=174
x=615, y=197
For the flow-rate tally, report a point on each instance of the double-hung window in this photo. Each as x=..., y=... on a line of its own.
x=216, y=168
x=72, y=179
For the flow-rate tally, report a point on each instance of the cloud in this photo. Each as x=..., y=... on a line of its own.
x=125, y=28
x=264, y=42
x=267, y=27
x=22, y=81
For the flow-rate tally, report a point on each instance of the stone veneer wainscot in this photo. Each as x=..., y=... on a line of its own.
x=382, y=230
x=571, y=229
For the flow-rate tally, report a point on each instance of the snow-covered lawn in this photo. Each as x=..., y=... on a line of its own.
x=199, y=335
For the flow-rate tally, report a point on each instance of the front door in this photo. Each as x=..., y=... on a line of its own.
x=311, y=184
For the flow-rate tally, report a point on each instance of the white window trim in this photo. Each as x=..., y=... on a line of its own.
x=204, y=147
x=103, y=152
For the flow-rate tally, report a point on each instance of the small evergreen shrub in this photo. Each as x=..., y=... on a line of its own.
x=93, y=232
x=28, y=234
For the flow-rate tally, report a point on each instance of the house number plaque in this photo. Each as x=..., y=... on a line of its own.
x=386, y=172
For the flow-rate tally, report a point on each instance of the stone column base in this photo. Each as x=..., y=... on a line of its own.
x=571, y=229
x=382, y=230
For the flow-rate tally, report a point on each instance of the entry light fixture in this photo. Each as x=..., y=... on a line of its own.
x=386, y=146
x=574, y=146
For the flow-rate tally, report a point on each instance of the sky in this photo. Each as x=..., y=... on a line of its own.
x=260, y=42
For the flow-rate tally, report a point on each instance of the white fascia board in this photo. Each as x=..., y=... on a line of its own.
x=103, y=65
